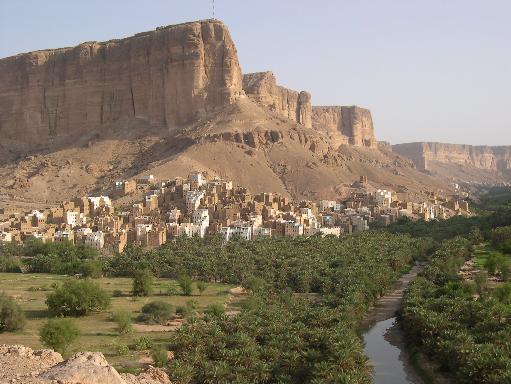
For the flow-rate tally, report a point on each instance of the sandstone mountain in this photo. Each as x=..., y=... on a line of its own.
x=173, y=100
x=458, y=162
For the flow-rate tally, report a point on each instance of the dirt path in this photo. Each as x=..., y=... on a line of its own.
x=387, y=305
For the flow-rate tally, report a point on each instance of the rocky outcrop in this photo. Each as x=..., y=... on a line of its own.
x=20, y=364
x=263, y=89
x=166, y=77
x=350, y=124
x=497, y=158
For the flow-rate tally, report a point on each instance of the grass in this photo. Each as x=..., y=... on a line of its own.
x=98, y=332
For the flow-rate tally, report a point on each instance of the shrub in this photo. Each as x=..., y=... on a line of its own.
x=156, y=312
x=12, y=317
x=503, y=293
x=171, y=290
x=117, y=293
x=142, y=282
x=183, y=310
x=91, y=268
x=59, y=334
x=77, y=298
x=201, y=286
x=185, y=282
x=123, y=320
x=254, y=284
x=142, y=343
x=160, y=357
x=121, y=349
x=481, y=280
x=215, y=309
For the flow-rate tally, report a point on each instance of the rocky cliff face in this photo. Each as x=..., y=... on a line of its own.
x=353, y=125
x=166, y=77
x=262, y=88
x=496, y=158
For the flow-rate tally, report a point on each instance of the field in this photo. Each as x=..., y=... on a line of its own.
x=98, y=332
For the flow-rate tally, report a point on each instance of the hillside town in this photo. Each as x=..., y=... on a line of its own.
x=197, y=206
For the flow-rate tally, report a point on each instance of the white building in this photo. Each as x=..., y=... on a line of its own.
x=185, y=229
x=326, y=205
x=201, y=217
x=383, y=197
x=142, y=229
x=5, y=237
x=73, y=218
x=64, y=235
x=244, y=232
x=193, y=200
x=95, y=240
x=197, y=178
x=99, y=201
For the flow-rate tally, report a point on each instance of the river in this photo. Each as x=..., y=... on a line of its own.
x=384, y=340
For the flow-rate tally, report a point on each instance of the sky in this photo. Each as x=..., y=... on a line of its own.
x=436, y=70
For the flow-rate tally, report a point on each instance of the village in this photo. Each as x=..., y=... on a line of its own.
x=198, y=206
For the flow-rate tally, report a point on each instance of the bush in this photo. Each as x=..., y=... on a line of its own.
x=77, y=298
x=59, y=334
x=215, y=309
x=481, y=281
x=185, y=282
x=160, y=357
x=12, y=317
x=123, y=320
x=201, y=286
x=503, y=293
x=121, y=349
x=117, y=293
x=91, y=268
x=156, y=312
x=142, y=283
x=143, y=343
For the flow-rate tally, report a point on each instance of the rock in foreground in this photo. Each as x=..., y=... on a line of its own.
x=19, y=364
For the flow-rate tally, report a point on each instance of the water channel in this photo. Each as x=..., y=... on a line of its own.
x=384, y=340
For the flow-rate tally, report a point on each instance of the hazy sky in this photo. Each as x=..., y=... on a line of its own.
x=436, y=70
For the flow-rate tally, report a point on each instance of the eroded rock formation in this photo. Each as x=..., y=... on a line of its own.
x=349, y=124
x=20, y=364
x=166, y=77
x=262, y=88
x=496, y=158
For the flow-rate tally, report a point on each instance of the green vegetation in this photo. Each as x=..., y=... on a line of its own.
x=99, y=332
x=160, y=357
x=77, y=298
x=123, y=321
x=12, y=317
x=156, y=312
x=142, y=282
x=470, y=335
x=59, y=334
x=201, y=286
x=186, y=284
x=300, y=324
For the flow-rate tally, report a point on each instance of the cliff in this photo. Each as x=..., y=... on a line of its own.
x=353, y=125
x=262, y=88
x=496, y=158
x=167, y=77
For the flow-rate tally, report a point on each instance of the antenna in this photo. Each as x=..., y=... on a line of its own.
x=213, y=3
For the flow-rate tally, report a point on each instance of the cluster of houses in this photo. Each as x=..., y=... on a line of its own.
x=197, y=206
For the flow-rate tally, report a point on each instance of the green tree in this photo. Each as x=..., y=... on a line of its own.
x=160, y=356
x=186, y=284
x=123, y=321
x=201, y=286
x=12, y=317
x=59, y=334
x=77, y=298
x=142, y=282
x=156, y=312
